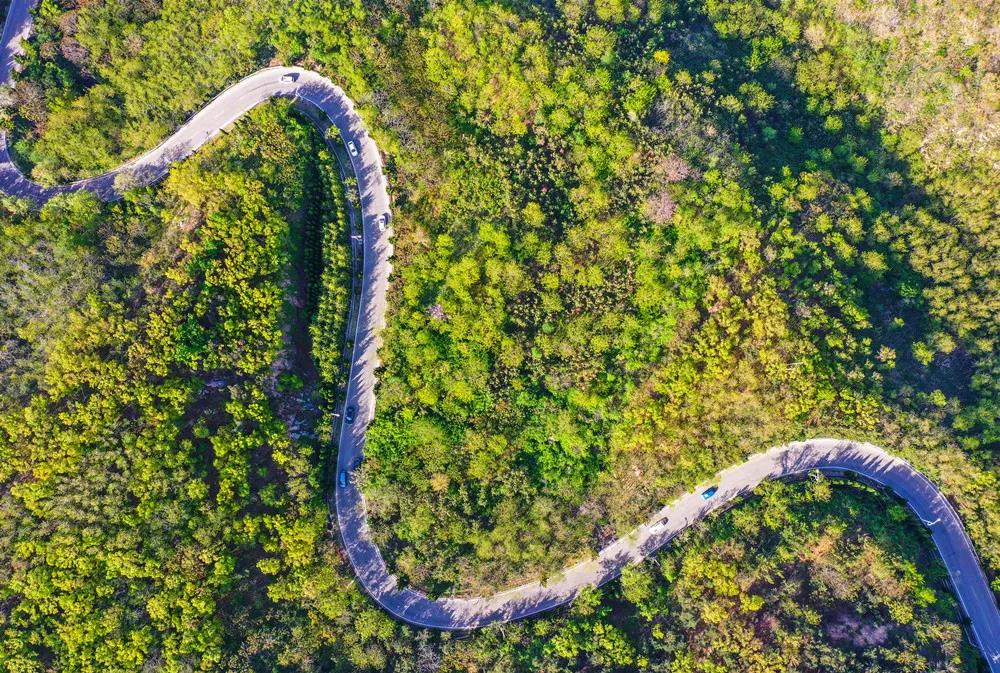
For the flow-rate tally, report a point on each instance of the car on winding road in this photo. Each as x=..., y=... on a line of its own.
x=349, y=414
x=352, y=148
x=342, y=479
x=709, y=492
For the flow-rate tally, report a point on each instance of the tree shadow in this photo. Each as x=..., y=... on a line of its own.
x=794, y=136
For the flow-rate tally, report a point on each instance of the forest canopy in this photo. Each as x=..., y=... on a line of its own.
x=636, y=242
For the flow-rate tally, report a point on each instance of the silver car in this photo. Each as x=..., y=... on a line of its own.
x=381, y=222
x=352, y=148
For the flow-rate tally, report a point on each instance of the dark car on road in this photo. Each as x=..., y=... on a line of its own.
x=342, y=479
x=709, y=492
x=349, y=415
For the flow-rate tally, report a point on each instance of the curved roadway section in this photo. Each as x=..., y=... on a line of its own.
x=830, y=456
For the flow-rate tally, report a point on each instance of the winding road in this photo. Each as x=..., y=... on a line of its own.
x=831, y=456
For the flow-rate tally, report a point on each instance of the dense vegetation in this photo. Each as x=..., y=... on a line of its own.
x=636, y=243
x=784, y=582
x=659, y=238
x=162, y=438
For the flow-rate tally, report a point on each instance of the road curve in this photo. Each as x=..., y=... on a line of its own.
x=831, y=456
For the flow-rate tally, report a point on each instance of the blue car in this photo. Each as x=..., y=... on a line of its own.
x=349, y=415
x=343, y=479
x=709, y=492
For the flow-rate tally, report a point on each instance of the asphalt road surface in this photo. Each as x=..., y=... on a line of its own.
x=831, y=456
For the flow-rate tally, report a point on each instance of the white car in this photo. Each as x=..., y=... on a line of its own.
x=288, y=78
x=381, y=222
x=352, y=148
